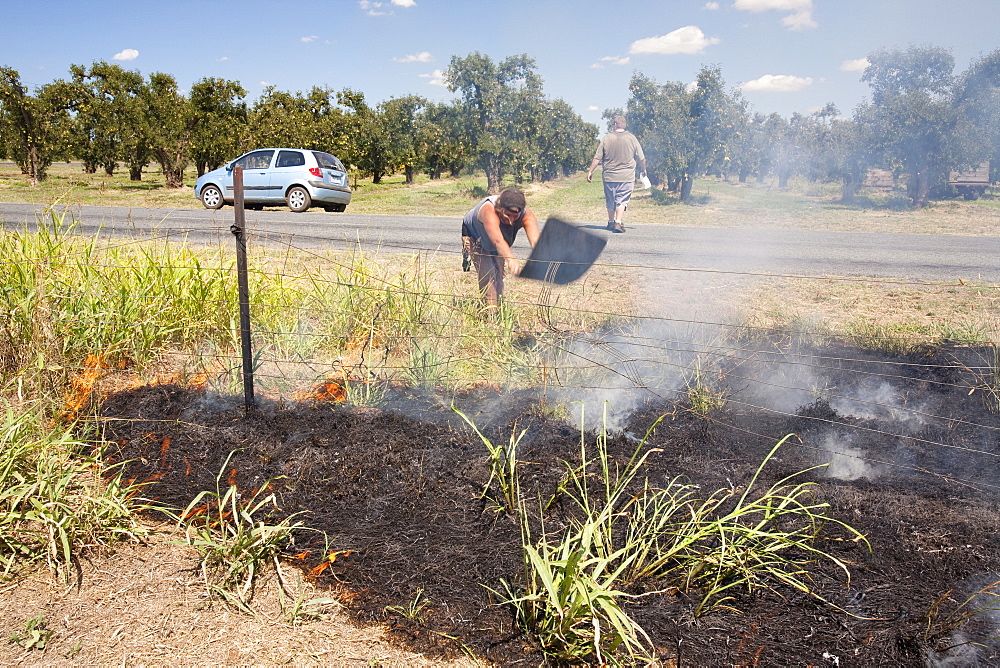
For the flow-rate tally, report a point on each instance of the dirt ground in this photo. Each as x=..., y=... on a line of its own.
x=399, y=491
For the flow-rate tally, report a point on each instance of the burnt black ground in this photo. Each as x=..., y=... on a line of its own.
x=404, y=495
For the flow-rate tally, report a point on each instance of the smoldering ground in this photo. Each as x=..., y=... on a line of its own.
x=905, y=453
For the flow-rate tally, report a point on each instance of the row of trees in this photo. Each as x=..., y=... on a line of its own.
x=107, y=116
x=922, y=120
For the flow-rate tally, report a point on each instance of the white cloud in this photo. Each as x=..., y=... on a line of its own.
x=372, y=8
x=800, y=18
x=613, y=60
x=421, y=57
x=856, y=65
x=310, y=38
x=689, y=39
x=378, y=8
x=592, y=107
x=223, y=59
x=126, y=54
x=436, y=78
x=711, y=6
x=799, y=21
x=265, y=84
x=777, y=83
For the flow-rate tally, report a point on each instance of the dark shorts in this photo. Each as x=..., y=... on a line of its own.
x=617, y=194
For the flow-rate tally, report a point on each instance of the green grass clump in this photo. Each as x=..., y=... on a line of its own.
x=237, y=535
x=57, y=496
x=577, y=582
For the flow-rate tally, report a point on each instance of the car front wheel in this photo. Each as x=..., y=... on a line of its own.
x=211, y=197
x=298, y=199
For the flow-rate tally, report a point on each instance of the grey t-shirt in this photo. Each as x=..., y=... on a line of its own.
x=618, y=152
x=473, y=227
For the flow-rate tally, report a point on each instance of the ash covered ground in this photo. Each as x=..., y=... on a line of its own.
x=912, y=465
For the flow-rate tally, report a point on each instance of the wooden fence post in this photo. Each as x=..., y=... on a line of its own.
x=238, y=229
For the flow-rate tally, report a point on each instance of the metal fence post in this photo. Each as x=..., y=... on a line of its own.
x=238, y=229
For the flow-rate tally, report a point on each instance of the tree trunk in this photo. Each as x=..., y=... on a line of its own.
x=493, y=174
x=135, y=172
x=850, y=188
x=34, y=173
x=174, y=176
x=686, y=183
x=918, y=187
x=409, y=175
x=109, y=168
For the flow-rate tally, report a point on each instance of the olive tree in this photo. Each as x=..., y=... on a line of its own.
x=442, y=143
x=35, y=128
x=400, y=116
x=371, y=144
x=315, y=121
x=911, y=118
x=221, y=122
x=659, y=115
x=502, y=103
x=171, y=127
x=977, y=99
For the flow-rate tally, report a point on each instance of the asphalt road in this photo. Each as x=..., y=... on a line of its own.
x=913, y=257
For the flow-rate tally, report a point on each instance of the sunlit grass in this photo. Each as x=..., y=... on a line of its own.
x=715, y=203
x=891, y=316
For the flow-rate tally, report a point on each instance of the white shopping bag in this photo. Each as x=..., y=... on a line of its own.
x=644, y=180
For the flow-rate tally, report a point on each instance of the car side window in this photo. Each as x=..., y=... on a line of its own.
x=290, y=159
x=255, y=160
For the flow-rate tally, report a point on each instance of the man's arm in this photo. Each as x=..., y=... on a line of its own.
x=491, y=223
x=590, y=170
x=642, y=166
x=530, y=224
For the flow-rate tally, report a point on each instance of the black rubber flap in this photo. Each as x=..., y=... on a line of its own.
x=563, y=253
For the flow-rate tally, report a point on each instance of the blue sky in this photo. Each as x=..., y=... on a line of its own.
x=788, y=55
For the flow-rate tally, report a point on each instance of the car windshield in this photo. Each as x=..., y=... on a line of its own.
x=328, y=161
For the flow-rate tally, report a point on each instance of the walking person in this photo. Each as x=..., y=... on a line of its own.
x=488, y=232
x=618, y=154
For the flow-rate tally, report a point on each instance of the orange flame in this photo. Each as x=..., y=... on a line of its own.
x=164, y=446
x=81, y=385
x=331, y=390
x=329, y=559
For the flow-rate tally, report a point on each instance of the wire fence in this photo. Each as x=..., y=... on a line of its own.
x=339, y=314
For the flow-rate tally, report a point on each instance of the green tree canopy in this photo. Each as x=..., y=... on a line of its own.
x=911, y=118
x=35, y=129
x=503, y=104
x=220, y=122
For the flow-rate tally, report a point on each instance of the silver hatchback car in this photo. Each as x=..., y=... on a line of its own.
x=298, y=177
